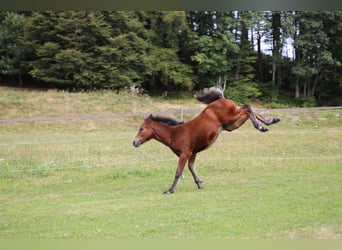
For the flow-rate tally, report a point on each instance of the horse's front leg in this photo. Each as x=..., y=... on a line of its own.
x=191, y=165
x=181, y=163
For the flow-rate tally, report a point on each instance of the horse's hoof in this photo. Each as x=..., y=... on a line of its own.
x=169, y=192
x=262, y=129
x=275, y=120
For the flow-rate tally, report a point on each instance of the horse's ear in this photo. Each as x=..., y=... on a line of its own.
x=148, y=118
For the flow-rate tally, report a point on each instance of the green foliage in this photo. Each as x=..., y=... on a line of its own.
x=216, y=49
x=269, y=92
x=307, y=102
x=87, y=50
x=314, y=59
x=66, y=55
x=215, y=56
x=243, y=93
x=167, y=71
x=175, y=50
x=244, y=70
x=12, y=51
x=242, y=86
x=130, y=57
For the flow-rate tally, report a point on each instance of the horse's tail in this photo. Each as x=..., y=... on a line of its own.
x=209, y=95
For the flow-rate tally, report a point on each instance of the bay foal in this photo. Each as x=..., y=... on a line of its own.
x=189, y=138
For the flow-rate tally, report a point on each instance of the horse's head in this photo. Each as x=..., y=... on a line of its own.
x=145, y=132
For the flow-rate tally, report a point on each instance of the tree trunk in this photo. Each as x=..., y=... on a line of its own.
x=298, y=57
x=314, y=85
x=259, y=65
x=243, y=41
x=279, y=74
x=20, y=80
x=305, y=90
x=224, y=82
x=297, y=95
x=274, y=70
x=276, y=50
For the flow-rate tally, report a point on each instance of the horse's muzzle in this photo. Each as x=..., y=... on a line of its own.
x=136, y=143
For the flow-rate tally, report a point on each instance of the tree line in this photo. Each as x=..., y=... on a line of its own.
x=244, y=52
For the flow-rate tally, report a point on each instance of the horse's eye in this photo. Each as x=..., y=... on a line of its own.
x=141, y=129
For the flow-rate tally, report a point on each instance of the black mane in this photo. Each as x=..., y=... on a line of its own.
x=167, y=120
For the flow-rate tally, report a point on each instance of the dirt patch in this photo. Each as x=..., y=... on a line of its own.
x=324, y=232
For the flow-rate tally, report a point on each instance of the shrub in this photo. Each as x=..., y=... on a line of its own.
x=242, y=93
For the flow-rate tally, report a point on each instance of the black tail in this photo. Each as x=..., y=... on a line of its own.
x=209, y=95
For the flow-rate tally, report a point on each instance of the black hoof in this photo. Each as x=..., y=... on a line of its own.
x=275, y=120
x=169, y=192
x=262, y=129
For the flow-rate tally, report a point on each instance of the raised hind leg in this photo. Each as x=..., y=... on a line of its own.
x=191, y=165
x=181, y=163
x=266, y=120
x=243, y=114
x=240, y=117
x=254, y=120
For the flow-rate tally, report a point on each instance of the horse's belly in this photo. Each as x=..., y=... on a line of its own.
x=208, y=140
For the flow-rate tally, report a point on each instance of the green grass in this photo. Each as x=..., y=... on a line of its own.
x=84, y=179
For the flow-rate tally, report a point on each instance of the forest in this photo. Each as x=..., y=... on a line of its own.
x=280, y=58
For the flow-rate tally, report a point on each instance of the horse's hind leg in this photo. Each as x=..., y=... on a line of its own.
x=191, y=164
x=254, y=119
x=266, y=120
x=242, y=116
x=240, y=120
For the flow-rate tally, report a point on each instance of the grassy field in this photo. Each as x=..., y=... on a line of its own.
x=75, y=179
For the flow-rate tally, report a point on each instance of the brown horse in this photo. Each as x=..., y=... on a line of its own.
x=189, y=138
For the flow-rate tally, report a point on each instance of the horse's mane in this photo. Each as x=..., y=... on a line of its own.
x=167, y=120
x=209, y=95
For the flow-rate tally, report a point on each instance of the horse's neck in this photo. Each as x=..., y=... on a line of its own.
x=162, y=133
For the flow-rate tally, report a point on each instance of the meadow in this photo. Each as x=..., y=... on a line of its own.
x=82, y=178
